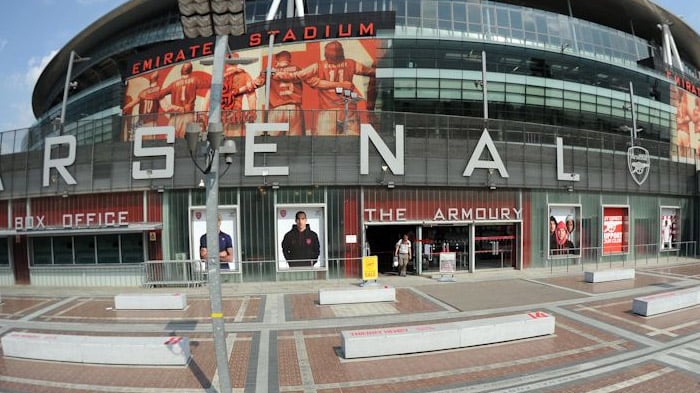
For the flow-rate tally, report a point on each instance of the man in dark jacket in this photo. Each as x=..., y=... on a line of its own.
x=300, y=245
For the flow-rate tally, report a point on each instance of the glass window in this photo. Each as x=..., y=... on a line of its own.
x=459, y=12
x=108, y=249
x=63, y=250
x=84, y=249
x=42, y=250
x=413, y=8
x=132, y=248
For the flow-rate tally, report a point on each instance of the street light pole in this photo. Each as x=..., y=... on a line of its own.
x=212, y=207
x=207, y=18
x=71, y=59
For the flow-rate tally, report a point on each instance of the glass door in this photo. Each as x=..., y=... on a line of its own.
x=495, y=246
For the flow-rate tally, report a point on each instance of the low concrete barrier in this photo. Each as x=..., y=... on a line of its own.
x=357, y=295
x=609, y=275
x=424, y=338
x=176, y=301
x=152, y=351
x=667, y=301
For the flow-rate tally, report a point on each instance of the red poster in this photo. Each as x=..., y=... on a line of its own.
x=614, y=230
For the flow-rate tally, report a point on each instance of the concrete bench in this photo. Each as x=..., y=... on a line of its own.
x=667, y=301
x=152, y=351
x=609, y=275
x=357, y=295
x=176, y=301
x=424, y=338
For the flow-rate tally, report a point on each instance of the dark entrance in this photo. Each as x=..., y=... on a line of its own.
x=382, y=240
x=495, y=246
x=20, y=260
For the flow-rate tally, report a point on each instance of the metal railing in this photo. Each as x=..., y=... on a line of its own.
x=631, y=256
x=185, y=273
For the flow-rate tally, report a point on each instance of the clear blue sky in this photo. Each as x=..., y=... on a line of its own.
x=32, y=31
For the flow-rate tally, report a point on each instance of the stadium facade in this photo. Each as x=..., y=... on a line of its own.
x=496, y=134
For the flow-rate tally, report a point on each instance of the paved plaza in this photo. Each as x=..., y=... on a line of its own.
x=280, y=339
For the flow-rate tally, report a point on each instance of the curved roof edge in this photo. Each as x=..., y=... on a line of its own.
x=645, y=13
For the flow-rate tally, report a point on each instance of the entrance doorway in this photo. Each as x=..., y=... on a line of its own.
x=495, y=246
x=382, y=240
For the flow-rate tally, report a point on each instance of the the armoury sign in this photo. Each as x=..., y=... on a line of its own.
x=285, y=31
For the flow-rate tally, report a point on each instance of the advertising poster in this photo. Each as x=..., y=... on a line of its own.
x=670, y=227
x=301, y=237
x=615, y=229
x=685, y=138
x=229, y=227
x=564, y=231
x=328, y=79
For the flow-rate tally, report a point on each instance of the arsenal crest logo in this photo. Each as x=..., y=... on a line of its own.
x=638, y=163
x=198, y=215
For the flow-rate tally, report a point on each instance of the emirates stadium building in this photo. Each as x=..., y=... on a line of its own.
x=503, y=134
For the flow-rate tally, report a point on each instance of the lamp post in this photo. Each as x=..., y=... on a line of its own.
x=483, y=85
x=348, y=97
x=219, y=18
x=73, y=58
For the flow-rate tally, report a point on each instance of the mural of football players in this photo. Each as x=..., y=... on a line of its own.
x=335, y=71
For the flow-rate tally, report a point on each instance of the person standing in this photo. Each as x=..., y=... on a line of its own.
x=300, y=245
x=403, y=252
x=225, y=248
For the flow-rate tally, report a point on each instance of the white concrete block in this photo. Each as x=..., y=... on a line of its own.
x=357, y=295
x=667, y=301
x=424, y=338
x=152, y=351
x=609, y=275
x=151, y=301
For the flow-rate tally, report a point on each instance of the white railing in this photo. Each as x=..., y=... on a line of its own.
x=186, y=273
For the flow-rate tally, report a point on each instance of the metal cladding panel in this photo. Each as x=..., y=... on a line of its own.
x=4, y=216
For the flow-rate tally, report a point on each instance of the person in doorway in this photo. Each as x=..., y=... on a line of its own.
x=403, y=252
x=563, y=246
x=300, y=245
x=225, y=248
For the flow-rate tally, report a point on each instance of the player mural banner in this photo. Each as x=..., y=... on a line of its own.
x=228, y=228
x=318, y=87
x=615, y=230
x=301, y=237
x=564, y=233
x=684, y=142
x=670, y=224
x=310, y=84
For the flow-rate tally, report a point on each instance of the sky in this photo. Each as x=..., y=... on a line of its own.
x=34, y=30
